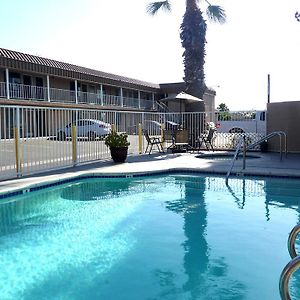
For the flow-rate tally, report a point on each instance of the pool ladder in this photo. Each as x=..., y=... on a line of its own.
x=242, y=141
x=291, y=267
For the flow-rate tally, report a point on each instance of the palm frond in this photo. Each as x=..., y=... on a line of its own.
x=153, y=7
x=216, y=13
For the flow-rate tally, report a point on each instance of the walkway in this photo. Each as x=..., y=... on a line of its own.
x=268, y=164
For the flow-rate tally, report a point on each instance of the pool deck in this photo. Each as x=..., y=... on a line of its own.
x=268, y=164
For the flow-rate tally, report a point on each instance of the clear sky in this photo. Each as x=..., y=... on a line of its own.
x=260, y=37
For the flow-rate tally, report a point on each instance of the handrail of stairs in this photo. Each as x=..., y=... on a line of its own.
x=269, y=136
x=241, y=141
x=246, y=148
x=162, y=107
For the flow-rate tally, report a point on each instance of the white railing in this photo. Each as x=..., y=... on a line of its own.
x=36, y=139
x=146, y=104
x=27, y=92
x=130, y=102
x=60, y=95
x=111, y=100
x=88, y=98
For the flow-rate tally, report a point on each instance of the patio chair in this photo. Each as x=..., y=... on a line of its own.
x=169, y=138
x=181, y=141
x=153, y=141
x=207, y=139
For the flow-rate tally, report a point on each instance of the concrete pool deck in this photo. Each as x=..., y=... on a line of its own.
x=268, y=164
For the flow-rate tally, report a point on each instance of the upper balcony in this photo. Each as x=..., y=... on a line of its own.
x=37, y=93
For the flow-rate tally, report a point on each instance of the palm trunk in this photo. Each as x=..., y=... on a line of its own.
x=193, y=31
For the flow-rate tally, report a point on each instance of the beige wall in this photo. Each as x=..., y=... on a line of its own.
x=195, y=106
x=111, y=90
x=284, y=116
x=209, y=102
x=2, y=75
x=59, y=83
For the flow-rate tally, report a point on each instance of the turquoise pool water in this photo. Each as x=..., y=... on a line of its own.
x=168, y=237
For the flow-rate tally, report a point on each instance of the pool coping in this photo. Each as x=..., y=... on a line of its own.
x=32, y=187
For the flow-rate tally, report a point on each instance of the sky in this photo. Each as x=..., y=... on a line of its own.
x=260, y=37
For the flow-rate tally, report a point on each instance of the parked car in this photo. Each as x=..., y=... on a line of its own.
x=87, y=128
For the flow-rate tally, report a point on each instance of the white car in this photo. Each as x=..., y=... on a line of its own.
x=85, y=128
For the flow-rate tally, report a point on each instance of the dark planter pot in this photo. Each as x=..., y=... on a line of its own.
x=119, y=154
x=264, y=146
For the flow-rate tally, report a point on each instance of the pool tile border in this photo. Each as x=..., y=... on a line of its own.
x=36, y=187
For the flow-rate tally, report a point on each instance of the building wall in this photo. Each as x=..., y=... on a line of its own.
x=2, y=75
x=209, y=102
x=111, y=90
x=174, y=106
x=59, y=83
x=284, y=116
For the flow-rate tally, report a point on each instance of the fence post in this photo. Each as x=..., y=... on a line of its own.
x=74, y=145
x=113, y=127
x=162, y=129
x=140, y=139
x=74, y=141
x=17, y=143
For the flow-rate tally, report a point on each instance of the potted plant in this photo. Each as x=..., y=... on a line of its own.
x=118, y=145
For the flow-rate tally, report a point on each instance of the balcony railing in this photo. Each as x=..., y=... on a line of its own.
x=130, y=102
x=111, y=100
x=59, y=95
x=29, y=92
x=146, y=104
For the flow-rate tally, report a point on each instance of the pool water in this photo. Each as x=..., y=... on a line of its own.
x=169, y=237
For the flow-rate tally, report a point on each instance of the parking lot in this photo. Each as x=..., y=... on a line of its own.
x=42, y=153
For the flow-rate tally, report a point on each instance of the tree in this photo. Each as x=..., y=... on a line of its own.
x=222, y=107
x=223, y=112
x=193, y=39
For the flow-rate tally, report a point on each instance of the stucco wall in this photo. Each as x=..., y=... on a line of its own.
x=284, y=116
x=2, y=75
x=59, y=83
x=209, y=102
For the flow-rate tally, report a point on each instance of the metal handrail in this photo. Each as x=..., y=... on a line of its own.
x=291, y=267
x=285, y=276
x=163, y=107
x=238, y=148
x=291, y=241
x=269, y=136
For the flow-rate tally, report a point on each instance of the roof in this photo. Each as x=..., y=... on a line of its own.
x=33, y=63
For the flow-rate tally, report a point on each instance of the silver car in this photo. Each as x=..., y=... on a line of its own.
x=87, y=128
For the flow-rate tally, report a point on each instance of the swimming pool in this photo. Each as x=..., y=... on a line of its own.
x=176, y=236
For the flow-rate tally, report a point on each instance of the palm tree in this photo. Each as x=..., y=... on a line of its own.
x=192, y=35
